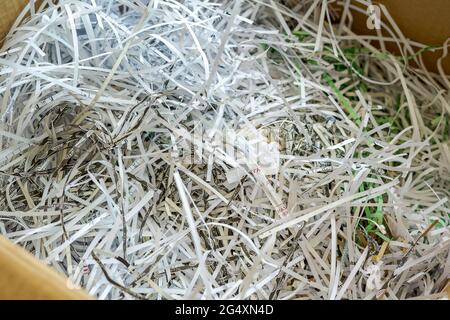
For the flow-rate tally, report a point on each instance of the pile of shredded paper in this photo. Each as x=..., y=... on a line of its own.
x=240, y=149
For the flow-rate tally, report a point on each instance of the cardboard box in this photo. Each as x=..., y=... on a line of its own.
x=24, y=277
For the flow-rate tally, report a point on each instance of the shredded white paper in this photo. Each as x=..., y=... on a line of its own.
x=239, y=149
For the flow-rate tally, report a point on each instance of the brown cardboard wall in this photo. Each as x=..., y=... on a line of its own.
x=427, y=22
x=24, y=277
x=8, y=13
